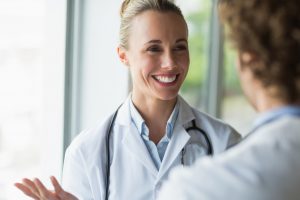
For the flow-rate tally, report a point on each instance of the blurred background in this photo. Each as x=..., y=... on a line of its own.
x=59, y=74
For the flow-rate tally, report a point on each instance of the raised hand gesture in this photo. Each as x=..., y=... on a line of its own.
x=36, y=190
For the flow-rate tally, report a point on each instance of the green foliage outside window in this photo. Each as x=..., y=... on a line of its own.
x=199, y=41
x=232, y=85
x=198, y=23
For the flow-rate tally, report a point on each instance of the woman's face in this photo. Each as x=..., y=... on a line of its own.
x=158, y=55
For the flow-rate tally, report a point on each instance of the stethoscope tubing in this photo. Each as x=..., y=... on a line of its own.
x=109, y=131
x=204, y=134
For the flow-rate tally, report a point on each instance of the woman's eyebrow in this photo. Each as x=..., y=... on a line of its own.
x=153, y=42
x=159, y=41
x=181, y=40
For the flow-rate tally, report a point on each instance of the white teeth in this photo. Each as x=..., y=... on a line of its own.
x=165, y=79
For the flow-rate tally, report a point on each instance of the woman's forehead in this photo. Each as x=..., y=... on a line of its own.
x=155, y=25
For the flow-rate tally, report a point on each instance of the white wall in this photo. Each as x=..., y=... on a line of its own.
x=53, y=88
x=103, y=78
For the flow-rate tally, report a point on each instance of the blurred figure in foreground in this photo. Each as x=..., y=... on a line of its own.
x=266, y=164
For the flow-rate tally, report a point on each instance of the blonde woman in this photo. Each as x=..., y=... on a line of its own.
x=131, y=153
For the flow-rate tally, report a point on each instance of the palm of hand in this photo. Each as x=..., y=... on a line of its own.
x=36, y=190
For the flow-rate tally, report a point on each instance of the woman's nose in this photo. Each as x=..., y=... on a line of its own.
x=168, y=60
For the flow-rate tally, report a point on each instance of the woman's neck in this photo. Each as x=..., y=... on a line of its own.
x=156, y=113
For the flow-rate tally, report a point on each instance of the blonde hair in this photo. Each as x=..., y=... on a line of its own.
x=132, y=8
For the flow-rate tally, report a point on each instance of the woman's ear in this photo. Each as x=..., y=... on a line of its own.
x=123, y=55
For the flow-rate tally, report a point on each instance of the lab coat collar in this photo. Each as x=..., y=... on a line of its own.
x=179, y=138
x=185, y=112
x=132, y=139
x=123, y=117
x=135, y=144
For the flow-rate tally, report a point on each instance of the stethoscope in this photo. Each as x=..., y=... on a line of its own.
x=210, y=150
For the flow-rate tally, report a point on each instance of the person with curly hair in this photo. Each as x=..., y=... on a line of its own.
x=266, y=164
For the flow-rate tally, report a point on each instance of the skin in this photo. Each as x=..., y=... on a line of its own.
x=157, y=47
x=36, y=190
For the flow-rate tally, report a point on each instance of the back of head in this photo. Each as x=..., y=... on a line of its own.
x=131, y=8
x=269, y=29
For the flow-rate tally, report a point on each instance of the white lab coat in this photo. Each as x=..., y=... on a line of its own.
x=133, y=174
x=265, y=166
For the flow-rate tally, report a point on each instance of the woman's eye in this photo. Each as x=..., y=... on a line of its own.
x=180, y=48
x=154, y=49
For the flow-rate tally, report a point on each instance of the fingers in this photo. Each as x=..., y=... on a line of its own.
x=35, y=189
x=57, y=188
x=27, y=191
x=40, y=187
x=60, y=192
x=30, y=184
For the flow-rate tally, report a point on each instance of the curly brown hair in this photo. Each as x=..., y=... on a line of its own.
x=270, y=29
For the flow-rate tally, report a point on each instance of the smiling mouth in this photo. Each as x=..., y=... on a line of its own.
x=166, y=79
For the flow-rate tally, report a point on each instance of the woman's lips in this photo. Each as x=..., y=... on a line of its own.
x=166, y=79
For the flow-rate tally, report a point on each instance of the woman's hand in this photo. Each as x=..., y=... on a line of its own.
x=36, y=190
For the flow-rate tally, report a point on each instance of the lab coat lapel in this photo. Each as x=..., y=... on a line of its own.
x=136, y=146
x=179, y=138
x=132, y=140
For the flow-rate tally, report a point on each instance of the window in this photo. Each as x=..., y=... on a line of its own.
x=212, y=83
x=31, y=92
x=198, y=16
x=235, y=108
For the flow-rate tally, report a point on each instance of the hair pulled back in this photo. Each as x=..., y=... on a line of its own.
x=131, y=8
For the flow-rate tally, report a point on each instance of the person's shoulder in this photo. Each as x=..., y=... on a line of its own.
x=202, y=116
x=282, y=134
x=213, y=125
x=276, y=141
x=291, y=124
x=248, y=169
